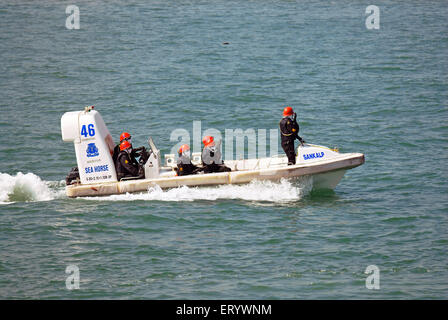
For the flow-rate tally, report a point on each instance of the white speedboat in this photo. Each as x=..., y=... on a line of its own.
x=97, y=177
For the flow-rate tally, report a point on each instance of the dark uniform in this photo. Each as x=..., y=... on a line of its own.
x=117, y=151
x=126, y=165
x=289, y=129
x=185, y=167
x=212, y=161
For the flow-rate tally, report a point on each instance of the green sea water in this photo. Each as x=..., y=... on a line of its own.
x=151, y=67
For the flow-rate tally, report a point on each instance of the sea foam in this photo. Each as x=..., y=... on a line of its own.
x=27, y=187
x=281, y=191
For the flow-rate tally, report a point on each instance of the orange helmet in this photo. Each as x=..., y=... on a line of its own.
x=125, y=136
x=287, y=111
x=125, y=144
x=183, y=148
x=208, y=141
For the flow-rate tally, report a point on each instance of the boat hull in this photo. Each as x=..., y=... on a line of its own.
x=326, y=174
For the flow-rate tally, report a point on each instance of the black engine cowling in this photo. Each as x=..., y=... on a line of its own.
x=72, y=177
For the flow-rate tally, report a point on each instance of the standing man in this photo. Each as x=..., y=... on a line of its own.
x=289, y=129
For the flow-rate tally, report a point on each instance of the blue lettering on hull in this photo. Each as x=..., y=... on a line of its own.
x=102, y=168
x=97, y=169
x=313, y=155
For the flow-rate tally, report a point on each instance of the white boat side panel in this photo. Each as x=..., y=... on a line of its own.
x=345, y=161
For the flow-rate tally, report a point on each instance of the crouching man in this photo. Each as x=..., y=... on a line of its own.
x=211, y=157
x=184, y=165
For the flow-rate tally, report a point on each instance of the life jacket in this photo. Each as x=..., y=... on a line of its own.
x=125, y=166
x=289, y=129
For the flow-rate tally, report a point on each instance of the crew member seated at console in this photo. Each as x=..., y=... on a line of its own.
x=289, y=129
x=211, y=157
x=126, y=165
x=184, y=165
x=124, y=136
x=136, y=153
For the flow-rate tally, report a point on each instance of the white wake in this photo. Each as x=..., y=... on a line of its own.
x=282, y=191
x=27, y=187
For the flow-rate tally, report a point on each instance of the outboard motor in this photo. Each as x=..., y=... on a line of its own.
x=93, y=145
x=72, y=177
